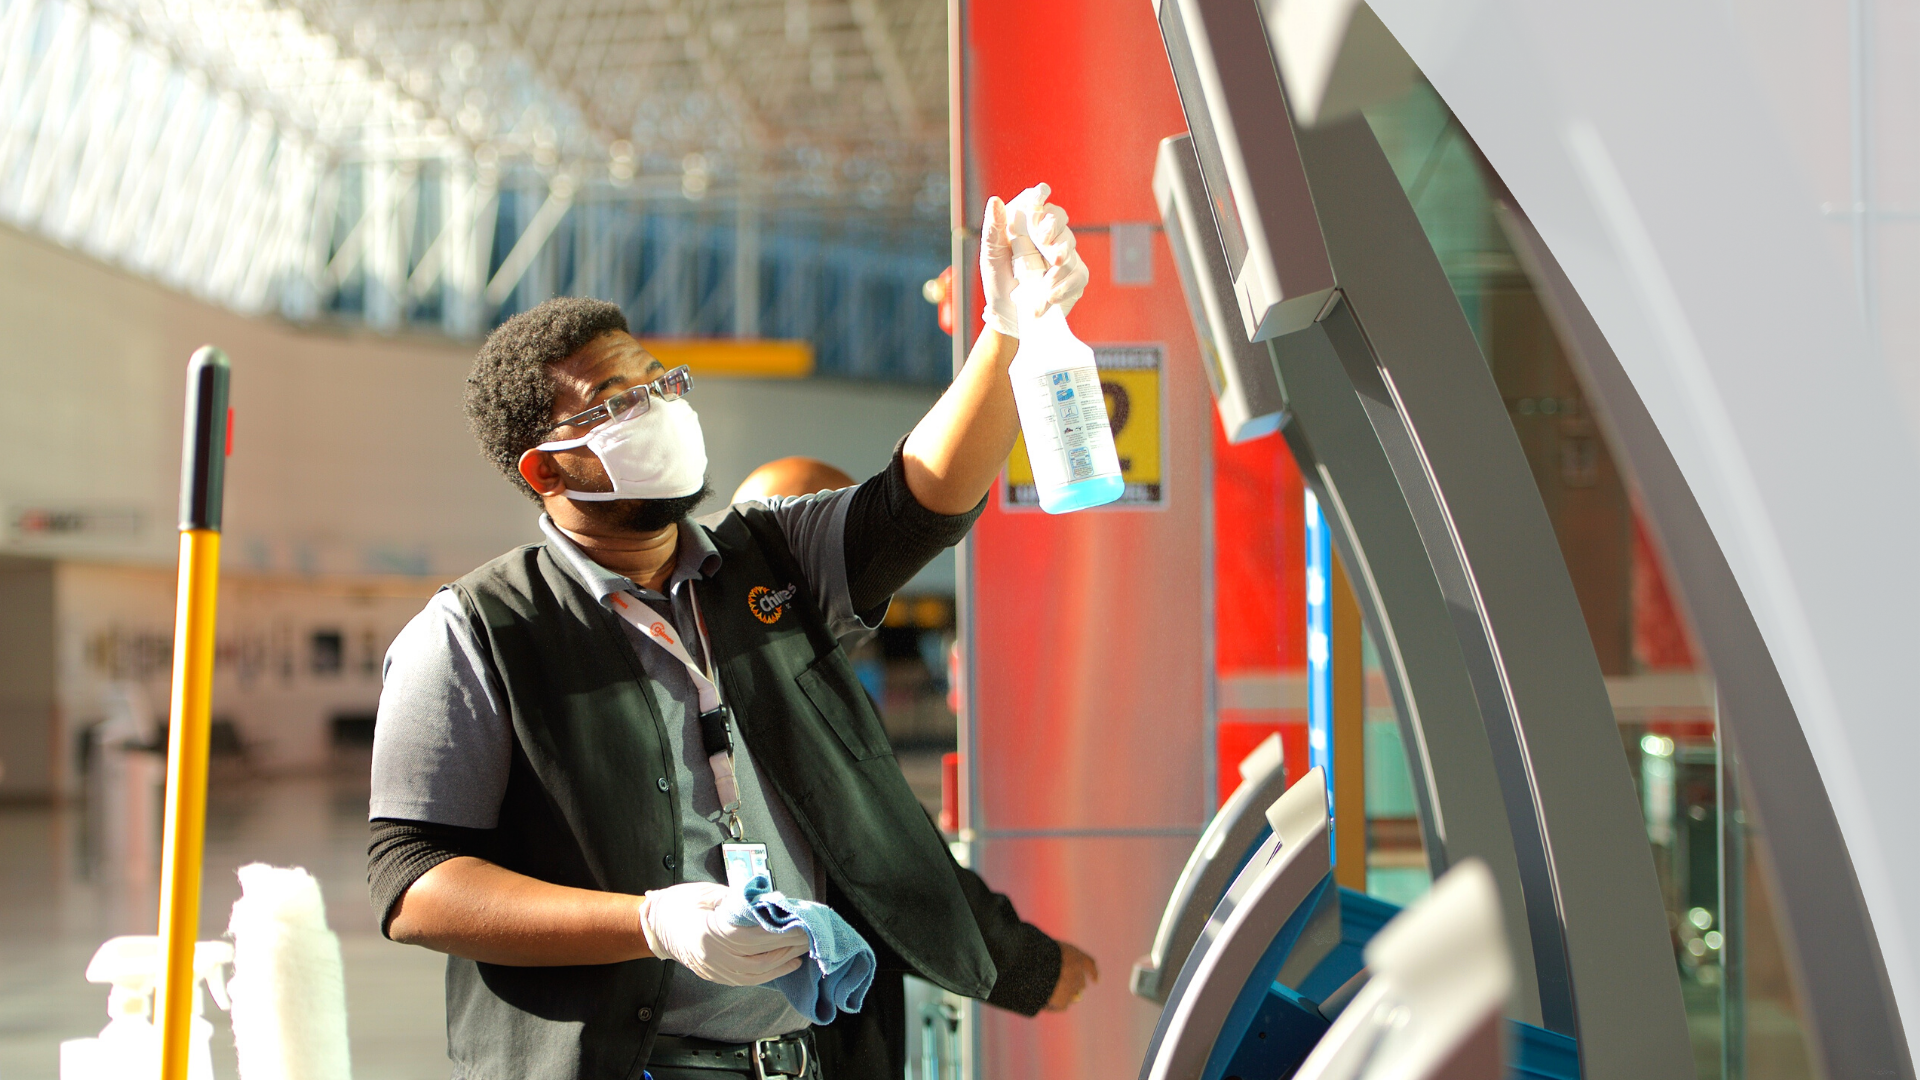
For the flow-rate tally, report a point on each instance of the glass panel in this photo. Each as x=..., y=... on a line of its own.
x=1396, y=851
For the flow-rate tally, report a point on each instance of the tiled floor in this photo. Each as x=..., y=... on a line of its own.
x=57, y=905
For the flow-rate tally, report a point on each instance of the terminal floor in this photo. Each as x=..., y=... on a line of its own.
x=55, y=910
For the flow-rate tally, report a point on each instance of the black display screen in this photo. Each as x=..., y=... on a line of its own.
x=1206, y=141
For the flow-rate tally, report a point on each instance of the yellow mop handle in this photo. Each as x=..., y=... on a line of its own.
x=202, y=484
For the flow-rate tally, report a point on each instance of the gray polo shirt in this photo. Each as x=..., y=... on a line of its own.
x=444, y=740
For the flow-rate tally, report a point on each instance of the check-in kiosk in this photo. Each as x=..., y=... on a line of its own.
x=1294, y=975
x=1224, y=848
x=1405, y=441
x=1437, y=978
x=1268, y=914
x=1278, y=958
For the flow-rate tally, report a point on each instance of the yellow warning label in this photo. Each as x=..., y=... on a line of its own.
x=1131, y=382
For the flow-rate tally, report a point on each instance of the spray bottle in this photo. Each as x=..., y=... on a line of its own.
x=1056, y=388
x=128, y=1048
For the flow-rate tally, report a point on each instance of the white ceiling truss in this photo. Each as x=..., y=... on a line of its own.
x=268, y=154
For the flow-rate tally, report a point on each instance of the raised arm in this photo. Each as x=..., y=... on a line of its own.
x=957, y=449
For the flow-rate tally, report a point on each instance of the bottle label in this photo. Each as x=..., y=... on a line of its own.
x=1072, y=440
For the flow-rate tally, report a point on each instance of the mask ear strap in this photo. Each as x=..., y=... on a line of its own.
x=582, y=496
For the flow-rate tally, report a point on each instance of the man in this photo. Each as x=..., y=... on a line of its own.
x=873, y=1042
x=579, y=741
x=790, y=477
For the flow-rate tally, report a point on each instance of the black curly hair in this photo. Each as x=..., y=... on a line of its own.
x=509, y=391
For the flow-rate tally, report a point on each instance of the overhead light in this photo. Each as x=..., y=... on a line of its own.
x=693, y=176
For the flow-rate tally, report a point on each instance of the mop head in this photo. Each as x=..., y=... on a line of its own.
x=289, y=989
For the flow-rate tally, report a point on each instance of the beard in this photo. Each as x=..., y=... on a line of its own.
x=644, y=515
x=633, y=515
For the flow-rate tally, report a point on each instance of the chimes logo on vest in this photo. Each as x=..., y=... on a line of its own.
x=767, y=605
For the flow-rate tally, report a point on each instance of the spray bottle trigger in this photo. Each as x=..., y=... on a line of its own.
x=210, y=960
x=217, y=986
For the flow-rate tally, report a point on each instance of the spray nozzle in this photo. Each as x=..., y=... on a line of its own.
x=133, y=964
x=1026, y=254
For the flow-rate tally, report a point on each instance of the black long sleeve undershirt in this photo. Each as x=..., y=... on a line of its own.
x=400, y=853
x=889, y=536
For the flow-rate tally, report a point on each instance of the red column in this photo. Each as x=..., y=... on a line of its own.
x=1087, y=631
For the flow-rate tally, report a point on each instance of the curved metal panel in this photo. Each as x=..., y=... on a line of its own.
x=1224, y=847
x=1238, y=948
x=1458, y=787
x=1587, y=877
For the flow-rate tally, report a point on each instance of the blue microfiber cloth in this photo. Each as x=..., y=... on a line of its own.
x=838, y=970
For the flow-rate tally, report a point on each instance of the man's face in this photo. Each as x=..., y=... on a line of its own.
x=607, y=365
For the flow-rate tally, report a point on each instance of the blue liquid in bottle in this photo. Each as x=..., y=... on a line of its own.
x=1063, y=412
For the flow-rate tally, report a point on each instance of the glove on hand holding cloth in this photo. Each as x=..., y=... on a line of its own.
x=839, y=965
x=691, y=925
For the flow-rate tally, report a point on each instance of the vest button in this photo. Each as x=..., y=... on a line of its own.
x=669, y=862
x=645, y=1015
x=662, y=784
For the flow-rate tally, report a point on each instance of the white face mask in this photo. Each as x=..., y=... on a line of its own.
x=660, y=454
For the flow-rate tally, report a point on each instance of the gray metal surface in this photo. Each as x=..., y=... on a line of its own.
x=1261, y=207
x=1598, y=932
x=1246, y=392
x=1238, y=932
x=1222, y=849
x=1650, y=145
x=1845, y=994
x=1455, y=781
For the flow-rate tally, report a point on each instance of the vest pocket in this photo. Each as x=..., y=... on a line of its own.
x=830, y=684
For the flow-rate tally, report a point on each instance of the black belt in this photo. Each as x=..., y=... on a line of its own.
x=788, y=1055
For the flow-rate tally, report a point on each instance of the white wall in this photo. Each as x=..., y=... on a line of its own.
x=115, y=633
x=350, y=452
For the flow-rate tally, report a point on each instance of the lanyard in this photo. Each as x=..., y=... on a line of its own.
x=716, y=734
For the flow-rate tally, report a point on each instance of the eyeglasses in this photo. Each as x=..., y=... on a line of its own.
x=672, y=386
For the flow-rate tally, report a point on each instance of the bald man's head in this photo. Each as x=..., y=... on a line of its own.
x=791, y=476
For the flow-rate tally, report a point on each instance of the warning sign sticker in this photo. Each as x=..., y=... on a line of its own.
x=1132, y=383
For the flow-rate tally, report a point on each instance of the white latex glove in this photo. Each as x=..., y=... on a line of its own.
x=682, y=925
x=996, y=270
x=1046, y=224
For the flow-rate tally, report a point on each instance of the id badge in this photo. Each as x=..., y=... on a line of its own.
x=744, y=862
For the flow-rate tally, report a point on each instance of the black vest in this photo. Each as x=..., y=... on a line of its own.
x=582, y=806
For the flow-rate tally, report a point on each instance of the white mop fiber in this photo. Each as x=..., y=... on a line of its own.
x=289, y=989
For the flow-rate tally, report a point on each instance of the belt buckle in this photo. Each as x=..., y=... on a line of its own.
x=760, y=1061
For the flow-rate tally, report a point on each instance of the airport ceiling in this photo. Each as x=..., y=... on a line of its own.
x=821, y=103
